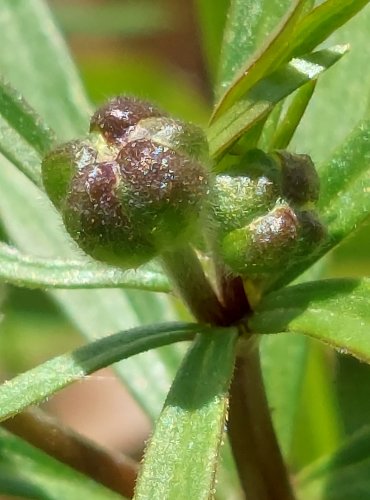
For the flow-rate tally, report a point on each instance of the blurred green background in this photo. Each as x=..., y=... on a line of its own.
x=153, y=49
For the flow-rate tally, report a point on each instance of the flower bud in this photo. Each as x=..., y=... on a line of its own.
x=299, y=179
x=136, y=195
x=260, y=248
x=119, y=115
x=249, y=189
x=263, y=248
x=61, y=164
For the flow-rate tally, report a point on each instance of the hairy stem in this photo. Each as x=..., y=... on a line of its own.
x=112, y=469
x=257, y=454
x=187, y=274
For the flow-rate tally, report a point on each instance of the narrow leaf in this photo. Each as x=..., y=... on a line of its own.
x=266, y=94
x=24, y=120
x=292, y=118
x=37, y=63
x=284, y=381
x=334, y=311
x=267, y=58
x=23, y=135
x=27, y=472
x=24, y=270
x=181, y=459
x=321, y=22
x=342, y=475
x=37, y=384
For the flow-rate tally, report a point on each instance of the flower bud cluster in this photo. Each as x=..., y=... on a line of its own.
x=135, y=187
x=264, y=213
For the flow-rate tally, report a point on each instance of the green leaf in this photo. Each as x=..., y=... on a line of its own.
x=284, y=381
x=292, y=117
x=344, y=100
x=345, y=185
x=44, y=380
x=321, y=22
x=344, y=475
x=260, y=101
x=20, y=269
x=23, y=135
x=27, y=472
x=239, y=71
x=181, y=459
x=334, y=311
x=39, y=66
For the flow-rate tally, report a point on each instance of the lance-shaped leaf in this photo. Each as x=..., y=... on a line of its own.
x=334, y=311
x=20, y=269
x=24, y=136
x=260, y=101
x=342, y=475
x=28, y=473
x=181, y=459
x=284, y=381
x=241, y=42
x=44, y=72
x=38, y=383
x=321, y=22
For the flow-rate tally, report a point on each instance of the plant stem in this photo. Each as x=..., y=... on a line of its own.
x=186, y=272
x=112, y=469
x=257, y=454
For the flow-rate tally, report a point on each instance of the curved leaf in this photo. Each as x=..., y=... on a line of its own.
x=181, y=459
x=321, y=22
x=24, y=270
x=248, y=24
x=260, y=101
x=37, y=384
x=44, y=72
x=334, y=311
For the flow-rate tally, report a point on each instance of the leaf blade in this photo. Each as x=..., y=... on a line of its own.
x=192, y=421
x=44, y=380
x=283, y=15
x=266, y=94
x=24, y=270
x=333, y=311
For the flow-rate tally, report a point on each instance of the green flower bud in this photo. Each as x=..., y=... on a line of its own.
x=61, y=164
x=182, y=137
x=250, y=189
x=299, y=179
x=119, y=115
x=260, y=248
x=263, y=248
x=134, y=199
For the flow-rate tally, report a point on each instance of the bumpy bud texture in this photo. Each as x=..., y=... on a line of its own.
x=300, y=182
x=119, y=115
x=61, y=164
x=137, y=199
x=257, y=250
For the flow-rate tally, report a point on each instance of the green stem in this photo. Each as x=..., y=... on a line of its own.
x=186, y=272
x=257, y=454
x=110, y=468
